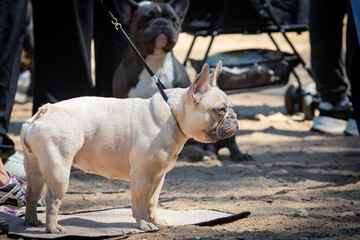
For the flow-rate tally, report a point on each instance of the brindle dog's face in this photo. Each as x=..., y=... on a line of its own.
x=156, y=26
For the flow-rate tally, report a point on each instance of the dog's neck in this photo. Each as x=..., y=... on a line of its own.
x=158, y=59
x=173, y=110
x=176, y=105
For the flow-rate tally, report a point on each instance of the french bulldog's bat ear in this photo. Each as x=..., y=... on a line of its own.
x=180, y=7
x=200, y=84
x=215, y=74
x=126, y=9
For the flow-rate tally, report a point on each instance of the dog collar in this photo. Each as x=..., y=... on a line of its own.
x=177, y=122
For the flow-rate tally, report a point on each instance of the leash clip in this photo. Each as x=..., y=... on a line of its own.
x=116, y=24
x=155, y=79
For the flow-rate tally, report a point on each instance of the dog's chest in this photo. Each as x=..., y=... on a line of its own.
x=163, y=67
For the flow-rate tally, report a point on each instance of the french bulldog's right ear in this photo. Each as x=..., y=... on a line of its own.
x=180, y=7
x=126, y=9
x=200, y=84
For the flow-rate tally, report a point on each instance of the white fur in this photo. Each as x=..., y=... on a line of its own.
x=163, y=67
x=144, y=3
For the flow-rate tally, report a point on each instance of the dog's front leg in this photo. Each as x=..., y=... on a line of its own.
x=152, y=210
x=142, y=185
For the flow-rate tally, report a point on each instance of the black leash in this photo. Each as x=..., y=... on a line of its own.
x=119, y=28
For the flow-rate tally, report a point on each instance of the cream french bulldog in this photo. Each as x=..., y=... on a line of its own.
x=131, y=139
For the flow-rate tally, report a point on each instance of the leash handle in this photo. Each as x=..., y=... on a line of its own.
x=118, y=27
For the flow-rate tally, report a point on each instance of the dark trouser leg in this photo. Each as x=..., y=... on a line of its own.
x=63, y=33
x=109, y=48
x=326, y=25
x=11, y=44
x=353, y=65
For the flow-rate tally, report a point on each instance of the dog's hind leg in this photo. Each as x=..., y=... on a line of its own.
x=35, y=183
x=57, y=181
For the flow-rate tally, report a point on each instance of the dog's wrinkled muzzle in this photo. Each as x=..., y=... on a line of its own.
x=227, y=127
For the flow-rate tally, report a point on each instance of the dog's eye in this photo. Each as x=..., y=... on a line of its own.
x=173, y=19
x=222, y=110
x=147, y=18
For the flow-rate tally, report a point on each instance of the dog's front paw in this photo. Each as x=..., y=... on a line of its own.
x=55, y=228
x=147, y=226
x=238, y=156
x=32, y=222
x=159, y=221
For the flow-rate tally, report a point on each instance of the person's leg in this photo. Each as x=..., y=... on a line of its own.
x=63, y=33
x=4, y=177
x=325, y=29
x=12, y=24
x=353, y=70
x=109, y=48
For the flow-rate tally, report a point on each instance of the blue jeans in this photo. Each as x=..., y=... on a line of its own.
x=12, y=24
x=354, y=61
x=355, y=5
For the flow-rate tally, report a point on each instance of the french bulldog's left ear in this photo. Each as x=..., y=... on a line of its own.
x=200, y=84
x=215, y=74
x=126, y=10
x=180, y=7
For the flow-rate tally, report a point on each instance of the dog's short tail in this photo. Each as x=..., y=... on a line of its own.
x=24, y=129
x=41, y=111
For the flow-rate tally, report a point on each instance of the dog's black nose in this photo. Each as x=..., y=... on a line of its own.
x=162, y=23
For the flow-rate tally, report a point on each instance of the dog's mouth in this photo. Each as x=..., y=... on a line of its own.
x=161, y=40
x=226, y=128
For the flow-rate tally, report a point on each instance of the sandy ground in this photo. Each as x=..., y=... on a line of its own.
x=293, y=168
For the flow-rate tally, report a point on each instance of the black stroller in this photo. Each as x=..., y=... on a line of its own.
x=254, y=69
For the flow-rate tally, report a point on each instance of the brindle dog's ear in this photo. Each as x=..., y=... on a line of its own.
x=180, y=7
x=126, y=9
x=215, y=74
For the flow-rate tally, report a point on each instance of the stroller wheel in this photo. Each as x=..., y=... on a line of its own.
x=292, y=103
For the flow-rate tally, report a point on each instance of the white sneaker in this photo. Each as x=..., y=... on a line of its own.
x=351, y=128
x=15, y=165
x=24, y=81
x=23, y=86
x=328, y=125
x=21, y=97
x=332, y=119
